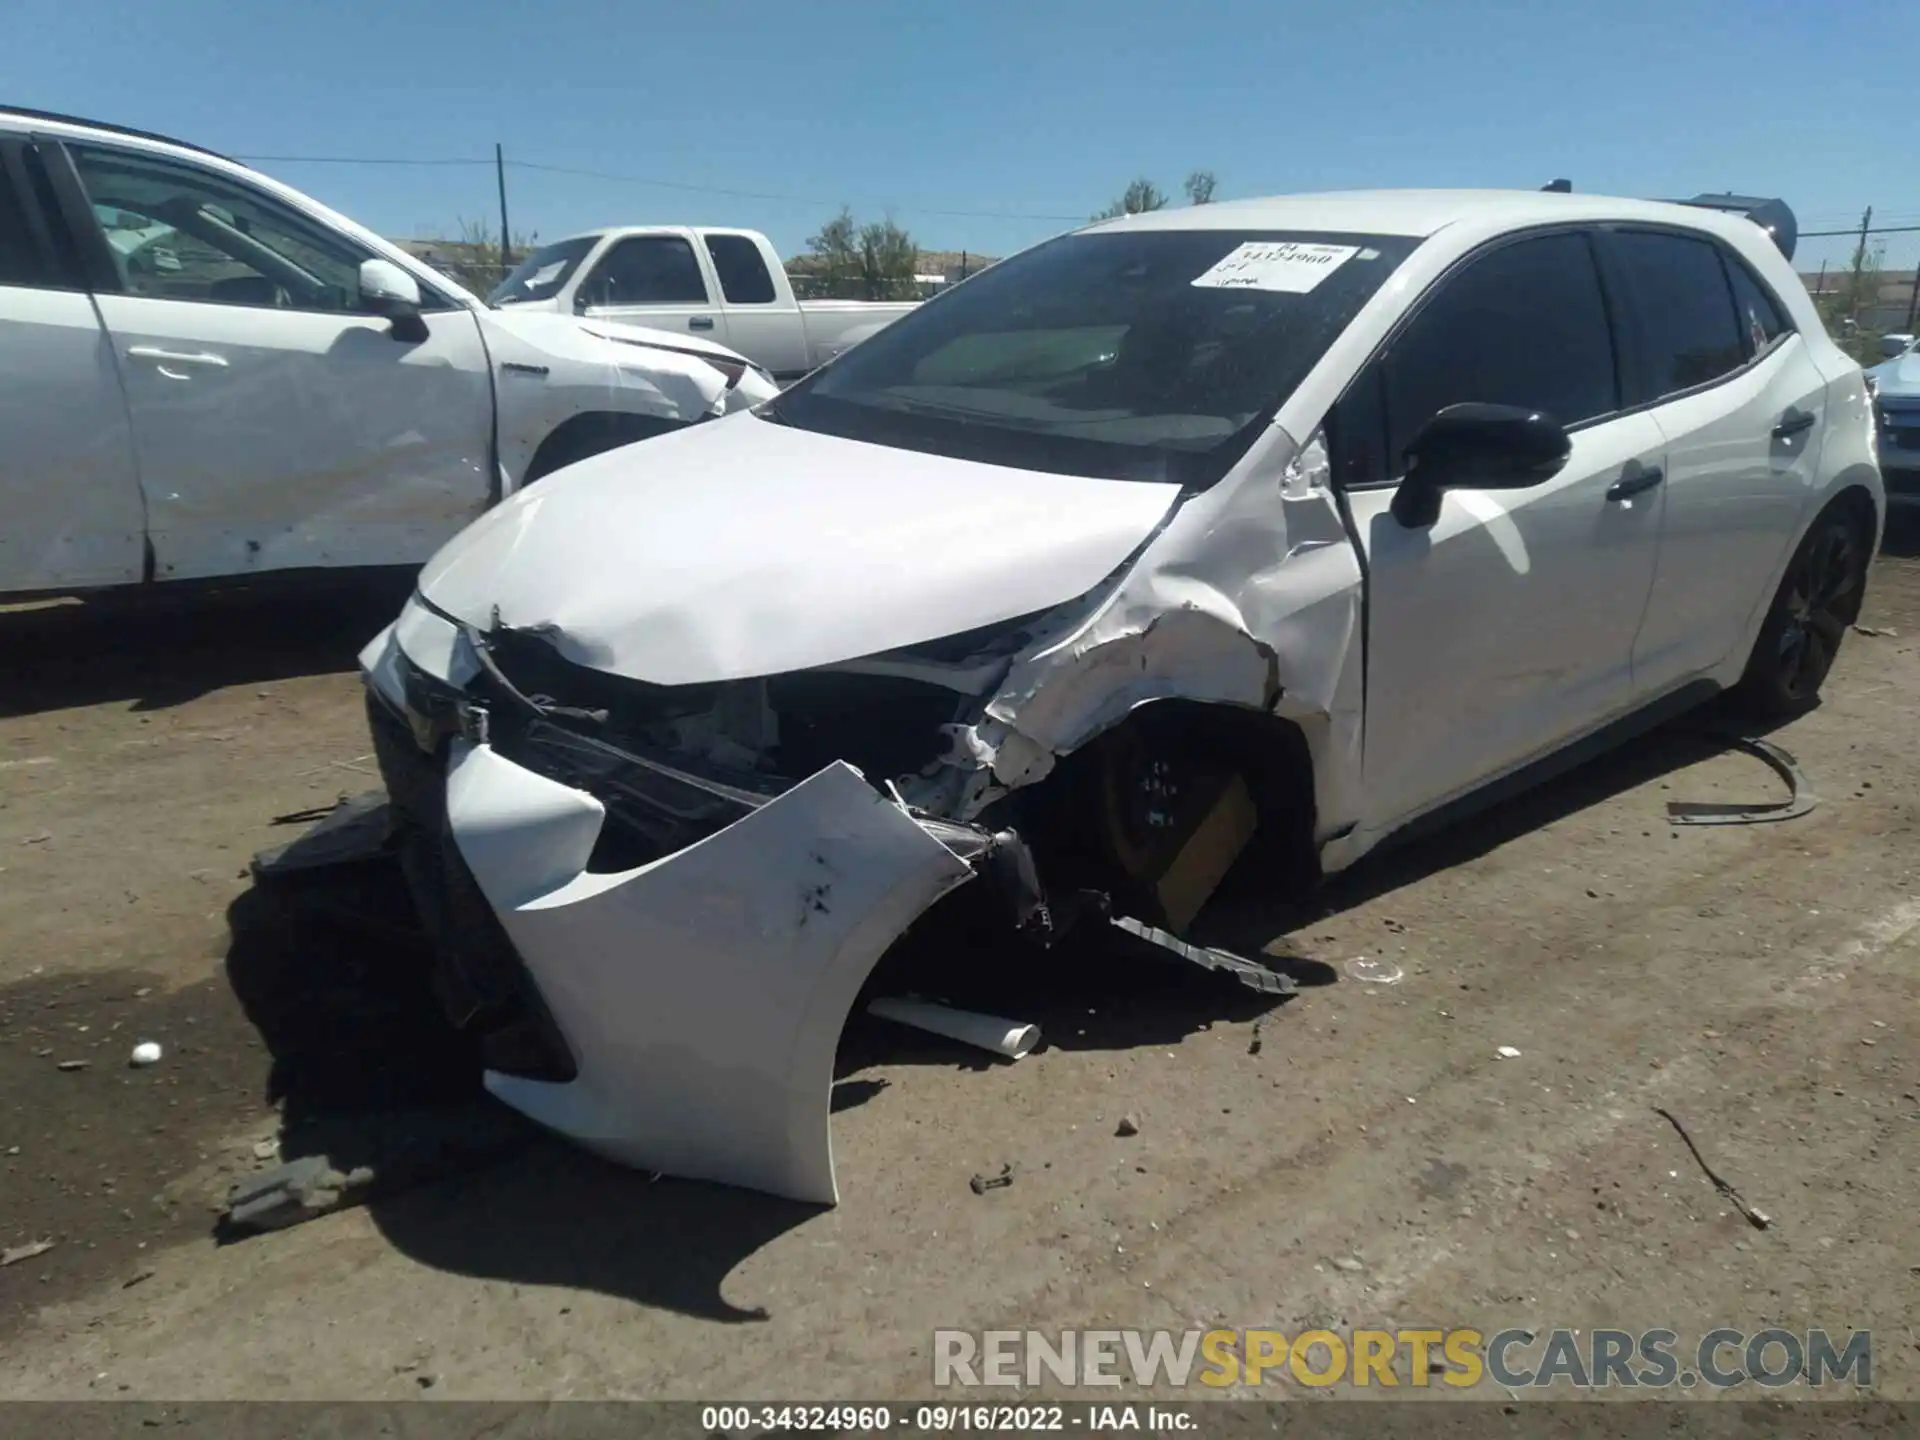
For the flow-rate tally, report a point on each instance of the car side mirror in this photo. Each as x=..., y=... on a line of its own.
x=386, y=289
x=1481, y=447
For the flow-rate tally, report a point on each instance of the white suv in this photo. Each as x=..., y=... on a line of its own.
x=204, y=374
x=1300, y=520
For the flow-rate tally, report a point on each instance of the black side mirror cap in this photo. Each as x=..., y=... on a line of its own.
x=406, y=324
x=1480, y=446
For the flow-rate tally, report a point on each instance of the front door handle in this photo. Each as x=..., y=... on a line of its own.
x=176, y=357
x=1627, y=486
x=1792, y=424
x=700, y=322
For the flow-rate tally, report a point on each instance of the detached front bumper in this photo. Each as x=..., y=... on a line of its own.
x=702, y=995
x=675, y=1006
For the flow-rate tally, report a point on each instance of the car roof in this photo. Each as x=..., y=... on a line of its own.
x=77, y=122
x=1417, y=213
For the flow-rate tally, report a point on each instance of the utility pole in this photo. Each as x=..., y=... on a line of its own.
x=1859, y=266
x=1913, y=298
x=500, y=174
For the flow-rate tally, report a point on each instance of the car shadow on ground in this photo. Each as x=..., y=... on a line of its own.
x=162, y=646
x=334, y=977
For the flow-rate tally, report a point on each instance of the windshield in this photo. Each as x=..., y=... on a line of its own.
x=1131, y=355
x=542, y=274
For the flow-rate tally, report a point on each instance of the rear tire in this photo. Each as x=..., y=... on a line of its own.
x=1818, y=598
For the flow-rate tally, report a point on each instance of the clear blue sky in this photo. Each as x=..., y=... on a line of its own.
x=1019, y=112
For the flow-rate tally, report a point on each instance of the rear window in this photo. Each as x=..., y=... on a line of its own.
x=1759, y=316
x=1126, y=355
x=744, y=278
x=1690, y=334
x=544, y=273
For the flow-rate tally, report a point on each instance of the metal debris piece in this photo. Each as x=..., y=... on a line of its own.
x=980, y=1184
x=299, y=1190
x=352, y=831
x=1876, y=631
x=1508, y=1052
x=72, y=1065
x=1799, y=801
x=1759, y=1219
x=367, y=1156
x=140, y=1277
x=1247, y=972
x=24, y=1252
x=1128, y=1126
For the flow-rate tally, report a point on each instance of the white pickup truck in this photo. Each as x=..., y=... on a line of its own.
x=724, y=285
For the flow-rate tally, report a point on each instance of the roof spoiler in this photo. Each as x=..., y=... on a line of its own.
x=1772, y=216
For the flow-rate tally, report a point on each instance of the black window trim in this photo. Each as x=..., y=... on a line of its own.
x=56, y=266
x=1623, y=321
x=583, y=289
x=1605, y=233
x=99, y=274
x=1610, y=299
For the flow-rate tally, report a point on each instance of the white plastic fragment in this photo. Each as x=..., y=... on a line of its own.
x=1007, y=1038
x=147, y=1052
x=1508, y=1052
x=1371, y=971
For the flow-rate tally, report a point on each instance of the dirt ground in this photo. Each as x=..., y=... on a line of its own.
x=1358, y=1155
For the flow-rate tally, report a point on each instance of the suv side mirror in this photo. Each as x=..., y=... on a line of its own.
x=1483, y=447
x=386, y=289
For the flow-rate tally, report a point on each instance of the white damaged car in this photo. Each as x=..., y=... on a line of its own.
x=1252, y=534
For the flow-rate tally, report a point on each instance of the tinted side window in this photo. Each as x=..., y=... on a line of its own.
x=743, y=274
x=648, y=270
x=1760, y=319
x=177, y=232
x=1689, y=333
x=1523, y=325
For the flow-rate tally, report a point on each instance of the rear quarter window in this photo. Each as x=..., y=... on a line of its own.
x=1689, y=333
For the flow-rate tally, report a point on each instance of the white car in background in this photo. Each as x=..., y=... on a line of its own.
x=205, y=374
x=1257, y=533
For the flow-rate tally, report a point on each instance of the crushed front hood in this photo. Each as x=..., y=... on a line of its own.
x=743, y=548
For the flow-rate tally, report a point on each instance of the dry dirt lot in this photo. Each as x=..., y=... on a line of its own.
x=1358, y=1155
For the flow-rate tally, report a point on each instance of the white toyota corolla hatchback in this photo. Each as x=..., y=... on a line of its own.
x=1246, y=534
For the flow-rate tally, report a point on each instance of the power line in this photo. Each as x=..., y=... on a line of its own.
x=349, y=160
x=763, y=195
x=807, y=200
x=1856, y=230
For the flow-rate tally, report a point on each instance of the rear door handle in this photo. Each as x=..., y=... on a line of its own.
x=700, y=322
x=176, y=357
x=1792, y=424
x=1627, y=486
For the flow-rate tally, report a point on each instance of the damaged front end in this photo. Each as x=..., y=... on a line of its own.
x=656, y=905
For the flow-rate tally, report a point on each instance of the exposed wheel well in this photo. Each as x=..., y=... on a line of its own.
x=1065, y=816
x=1858, y=506
x=592, y=433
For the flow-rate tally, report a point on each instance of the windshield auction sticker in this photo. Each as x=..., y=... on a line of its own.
x=1287, y=266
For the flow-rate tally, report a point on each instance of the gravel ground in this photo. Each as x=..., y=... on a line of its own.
x=1359, y=1155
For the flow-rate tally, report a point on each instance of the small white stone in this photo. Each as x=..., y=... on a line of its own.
x=147, y=1052
x=1508, y=1052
